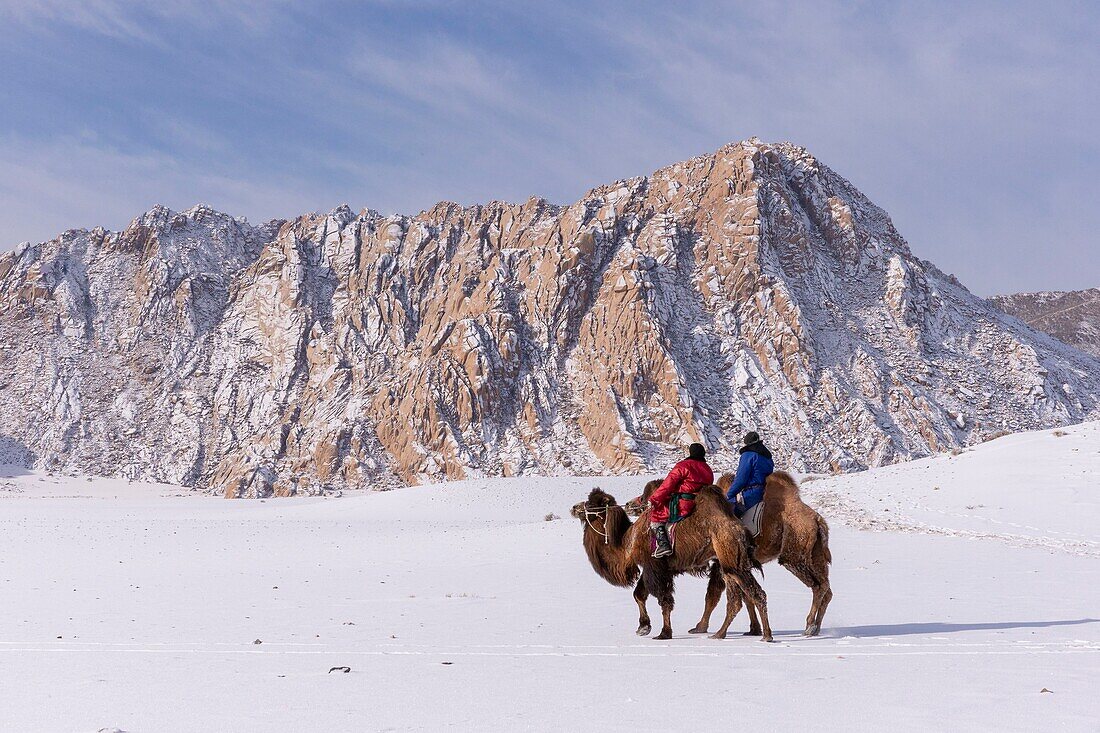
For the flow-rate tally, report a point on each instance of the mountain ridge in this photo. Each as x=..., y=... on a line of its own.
x=752, y=287
x=1072, y=316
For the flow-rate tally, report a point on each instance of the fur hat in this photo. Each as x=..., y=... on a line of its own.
x=752, y=437
x=697, y=451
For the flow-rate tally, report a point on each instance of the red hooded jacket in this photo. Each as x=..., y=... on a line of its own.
x=687, y=477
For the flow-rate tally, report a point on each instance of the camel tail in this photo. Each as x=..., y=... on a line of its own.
x=823, y=539
x=751, y=543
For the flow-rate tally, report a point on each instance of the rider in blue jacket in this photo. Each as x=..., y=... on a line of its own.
x=756, y=464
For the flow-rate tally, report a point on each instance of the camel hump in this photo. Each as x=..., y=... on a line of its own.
x=780, y=485
x=725, y=481
x=714, y=497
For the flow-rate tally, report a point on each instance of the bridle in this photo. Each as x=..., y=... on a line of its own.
x=601, y=511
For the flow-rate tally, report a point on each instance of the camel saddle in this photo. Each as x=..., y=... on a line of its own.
x=751, y=518
x=674, y=514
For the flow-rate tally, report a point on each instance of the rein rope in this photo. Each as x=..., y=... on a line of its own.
x=602, y=511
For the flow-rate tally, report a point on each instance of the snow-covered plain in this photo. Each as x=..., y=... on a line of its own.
x=965, y=587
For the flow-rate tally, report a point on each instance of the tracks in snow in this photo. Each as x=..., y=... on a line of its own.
x=833, y=505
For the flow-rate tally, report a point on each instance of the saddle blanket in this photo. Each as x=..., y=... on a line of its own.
x=751, y=518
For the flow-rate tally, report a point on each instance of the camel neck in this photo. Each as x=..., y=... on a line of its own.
x=611, y=558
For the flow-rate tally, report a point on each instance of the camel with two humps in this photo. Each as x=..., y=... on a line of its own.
x=619, y=551
x=790, y=532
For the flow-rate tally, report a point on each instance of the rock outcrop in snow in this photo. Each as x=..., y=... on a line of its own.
x=751, y=288
x=1073, y=317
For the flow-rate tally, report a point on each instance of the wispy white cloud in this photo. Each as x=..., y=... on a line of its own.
x=79, y=182
x=108, y=17
x=140, y=21
x=439, y=74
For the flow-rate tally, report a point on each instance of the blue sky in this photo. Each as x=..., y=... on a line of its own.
x=976, y=127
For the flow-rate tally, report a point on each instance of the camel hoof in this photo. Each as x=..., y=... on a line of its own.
x=717, y=635
x=663, y=636
x=766, y=638
x=752, y=632
x=643, y=630
x=812, y=630
x=698, y=630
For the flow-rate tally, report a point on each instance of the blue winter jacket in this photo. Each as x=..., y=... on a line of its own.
x=752, y=471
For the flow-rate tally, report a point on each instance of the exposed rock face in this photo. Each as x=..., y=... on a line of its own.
x=1073, y=317
x=751, y=288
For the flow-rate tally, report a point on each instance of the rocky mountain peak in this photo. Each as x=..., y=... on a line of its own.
x=753, y=288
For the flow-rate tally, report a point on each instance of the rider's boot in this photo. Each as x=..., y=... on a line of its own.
x=660, y=534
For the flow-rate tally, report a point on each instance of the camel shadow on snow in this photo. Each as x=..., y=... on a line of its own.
x=937, y=627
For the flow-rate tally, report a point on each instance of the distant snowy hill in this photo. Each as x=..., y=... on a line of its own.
x=750, y=288
x=1073, y=317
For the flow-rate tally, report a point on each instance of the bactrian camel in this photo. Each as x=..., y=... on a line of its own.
x=619, y=550
x=790, y=532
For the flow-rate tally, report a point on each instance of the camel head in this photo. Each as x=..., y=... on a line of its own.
x=602, y=516
x=605, y=525
x=595, y=507
x=636, y=506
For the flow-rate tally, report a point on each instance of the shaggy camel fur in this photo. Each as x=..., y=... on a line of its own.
x=790, y=532
x=619, y=549
x=715, y=585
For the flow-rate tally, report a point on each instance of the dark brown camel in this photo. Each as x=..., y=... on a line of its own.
x=619, y=549
x=790, y=532
x=715, y=585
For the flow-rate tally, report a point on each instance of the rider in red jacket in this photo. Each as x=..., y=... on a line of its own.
x=685, y=478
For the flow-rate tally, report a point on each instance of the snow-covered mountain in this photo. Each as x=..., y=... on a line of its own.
x=1073, y=317
x=750, y=288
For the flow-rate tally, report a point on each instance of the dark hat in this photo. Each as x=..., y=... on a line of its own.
x=697, y=451
x=752, y=437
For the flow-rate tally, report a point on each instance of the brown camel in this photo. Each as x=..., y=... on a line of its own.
x=619, y=549
x=715, y=584
x=790, y=532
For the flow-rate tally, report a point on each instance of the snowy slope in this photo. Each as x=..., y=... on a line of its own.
x=1027, y=490
x=137, y=607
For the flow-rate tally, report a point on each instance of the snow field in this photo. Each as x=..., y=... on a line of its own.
x=137, y=607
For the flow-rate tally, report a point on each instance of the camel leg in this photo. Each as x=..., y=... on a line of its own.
x=826, y=591
x=733, y=605
x=714, y=592
x=820, y=557
x=754, y=621
x=658, y=580
x=640, y=596
x=822, y=595
x=666, y=619
x=804, y=574
x=754, y=596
